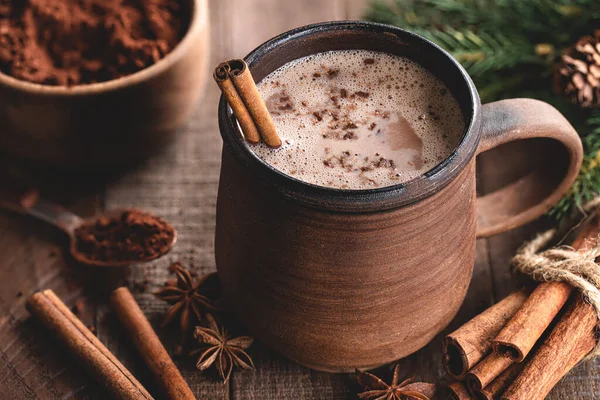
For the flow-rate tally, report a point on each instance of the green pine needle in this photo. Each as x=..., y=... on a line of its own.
x=587, y=185
x=481, y=53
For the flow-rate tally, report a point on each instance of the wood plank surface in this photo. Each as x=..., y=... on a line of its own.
x=180, y=184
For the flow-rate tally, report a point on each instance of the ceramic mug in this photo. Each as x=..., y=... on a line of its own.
x=341, y=279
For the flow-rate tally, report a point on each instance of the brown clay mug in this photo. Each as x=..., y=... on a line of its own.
x=342, y=279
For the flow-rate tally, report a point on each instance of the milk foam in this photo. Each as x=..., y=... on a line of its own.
x=358, y=119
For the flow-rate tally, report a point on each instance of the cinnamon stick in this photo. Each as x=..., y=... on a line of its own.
x=149, y=346
x=521, y=333
x=466, y=346
x=85, y=347
x=496, y=388
x=221, y=76
x=457, y=391
x=568, y=343
x=486, y=371
x=244, y=83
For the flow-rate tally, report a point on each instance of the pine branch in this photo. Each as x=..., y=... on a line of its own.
x=406, y=13
x=479, y=51
x=497, y=86
x=587, y=185
x=483, y=52
x=540, y=21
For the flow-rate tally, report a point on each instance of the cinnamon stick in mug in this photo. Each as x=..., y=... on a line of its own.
x=149, y=346
x=221, y=76
x=466, y=346
x=522, y=332
x=85, y=347
x=486, y=371
x=244, y=83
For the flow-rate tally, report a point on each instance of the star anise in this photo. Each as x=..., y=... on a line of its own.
x=221, y=349
x=189, y=299
x=376, y=389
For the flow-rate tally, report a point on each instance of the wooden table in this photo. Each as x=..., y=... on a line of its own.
x=181, y=185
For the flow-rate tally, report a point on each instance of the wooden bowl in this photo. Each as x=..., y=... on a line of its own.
x=108, y=123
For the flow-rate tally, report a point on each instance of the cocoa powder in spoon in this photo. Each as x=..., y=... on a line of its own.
x=129, y=236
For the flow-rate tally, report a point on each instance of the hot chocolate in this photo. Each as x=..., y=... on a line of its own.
x=358, y=119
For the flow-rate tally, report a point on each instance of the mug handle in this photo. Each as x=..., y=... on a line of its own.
x=527, y=198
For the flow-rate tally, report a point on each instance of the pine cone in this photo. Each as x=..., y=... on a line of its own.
x=578, y=73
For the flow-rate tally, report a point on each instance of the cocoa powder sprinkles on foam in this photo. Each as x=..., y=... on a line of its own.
x=130, y=236
x=358, y=119
x=72, y=42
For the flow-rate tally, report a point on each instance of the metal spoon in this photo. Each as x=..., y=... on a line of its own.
x=30, y=203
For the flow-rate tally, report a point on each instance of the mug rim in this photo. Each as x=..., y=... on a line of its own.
x=360, y=200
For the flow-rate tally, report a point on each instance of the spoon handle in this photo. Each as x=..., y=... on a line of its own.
x=29, y=202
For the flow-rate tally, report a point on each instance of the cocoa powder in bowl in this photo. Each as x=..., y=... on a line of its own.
x=129, y=236
x=73, y=42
